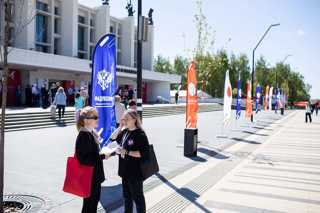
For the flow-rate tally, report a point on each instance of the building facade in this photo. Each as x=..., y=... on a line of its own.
x=53, y=40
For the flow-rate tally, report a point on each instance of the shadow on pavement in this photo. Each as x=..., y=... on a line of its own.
x=198, y=159
x=184, y=192
x=254, y=133
x=111, y=197
x=260, y=128
x=212, y=153
x=245, y=141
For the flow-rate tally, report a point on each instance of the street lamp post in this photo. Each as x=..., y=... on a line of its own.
x=252, y=74
x=139, y=59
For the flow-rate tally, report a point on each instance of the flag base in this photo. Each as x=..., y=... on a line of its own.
x=190, y=142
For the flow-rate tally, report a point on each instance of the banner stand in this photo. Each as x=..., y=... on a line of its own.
x=222, y=135
x=190, y=142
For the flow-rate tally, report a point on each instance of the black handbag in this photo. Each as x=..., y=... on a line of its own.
x=149, y=166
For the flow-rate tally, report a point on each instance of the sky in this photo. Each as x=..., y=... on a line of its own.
x=244, y=22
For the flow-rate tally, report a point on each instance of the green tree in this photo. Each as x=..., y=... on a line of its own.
x=162, y=64
x=180, y=66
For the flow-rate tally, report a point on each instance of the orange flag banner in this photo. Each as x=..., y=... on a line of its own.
x=266, y=98
x=192, y=97
x=249, y=101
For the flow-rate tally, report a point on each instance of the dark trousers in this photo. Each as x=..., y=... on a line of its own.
x=308, y=115
x=90, y=204
x=61, y=108
x=133, y=191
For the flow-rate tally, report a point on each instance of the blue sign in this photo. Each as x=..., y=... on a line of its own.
x=258, y=95
x=103, y=81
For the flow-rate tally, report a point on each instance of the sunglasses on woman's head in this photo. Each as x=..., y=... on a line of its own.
x=92, y=117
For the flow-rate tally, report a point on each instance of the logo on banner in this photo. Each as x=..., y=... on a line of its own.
x=192, y=89
x=104, y=79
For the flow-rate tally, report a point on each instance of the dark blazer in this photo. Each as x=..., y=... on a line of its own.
x=87, y=153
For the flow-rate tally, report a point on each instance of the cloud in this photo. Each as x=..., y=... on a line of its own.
x=301, y=33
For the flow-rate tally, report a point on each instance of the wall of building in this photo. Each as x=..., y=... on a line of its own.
x=158, y=89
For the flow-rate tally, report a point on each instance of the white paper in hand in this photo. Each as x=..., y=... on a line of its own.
x=110, y=148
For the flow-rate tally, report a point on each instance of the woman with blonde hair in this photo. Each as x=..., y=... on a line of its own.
x=134, y=148
x=61, y=101
x=88, y=153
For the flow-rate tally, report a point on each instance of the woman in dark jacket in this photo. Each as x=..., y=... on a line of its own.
x=134, y=148
x=88, y=153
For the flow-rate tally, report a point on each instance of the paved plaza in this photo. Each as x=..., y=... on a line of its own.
x=256, y=163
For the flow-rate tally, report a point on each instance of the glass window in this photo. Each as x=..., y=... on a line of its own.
x=56, y=26
x=118, y=43
x=92, y=36
x=111, y=29
x=81, y=38
x=119, y=30
x=81, y=19
x=81, y=55
x=91, y=52
x=56, y=11
x=42, y=6
x=42, y=48
x=56, y=46
x=119, y=58
x=41, y=28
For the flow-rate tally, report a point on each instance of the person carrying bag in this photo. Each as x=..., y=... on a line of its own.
x=85, y=170
x=133, y=152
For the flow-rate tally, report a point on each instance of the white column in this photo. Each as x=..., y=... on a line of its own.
x=69, y=28
x=25, y=39
x=148, y=48
x=127, y=41
x=102, y=21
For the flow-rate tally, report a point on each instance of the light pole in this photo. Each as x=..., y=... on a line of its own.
x=139, y=59
x=252, y=74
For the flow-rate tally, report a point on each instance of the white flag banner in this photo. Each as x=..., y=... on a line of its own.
x=270, y=98
x=227, y=100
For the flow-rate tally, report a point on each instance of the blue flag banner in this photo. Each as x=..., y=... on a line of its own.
x=103, y=81
x=278, y=98
x=258, y=95
x=238, y=107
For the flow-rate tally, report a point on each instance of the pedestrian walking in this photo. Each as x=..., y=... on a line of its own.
x=176, y=97
x=317, y=108
x=18, y=96
x=44, y=93
x=35, y=95
x=88, y=153
x=28, y=94
x=132, y=105
x=78, y=104
x=134, y=148
x=85, y=95
x=61, y=101
x=130, y=94
x=308, y=113
x=52, y=92
x=120, y=109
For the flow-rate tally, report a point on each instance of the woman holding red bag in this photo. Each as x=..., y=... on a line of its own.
x=88, y=153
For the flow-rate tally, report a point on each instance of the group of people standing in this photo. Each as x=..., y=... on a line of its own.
x=59, y=99
x=133, y=148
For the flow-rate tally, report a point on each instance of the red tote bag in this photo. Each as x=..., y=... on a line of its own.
x=78, y=178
